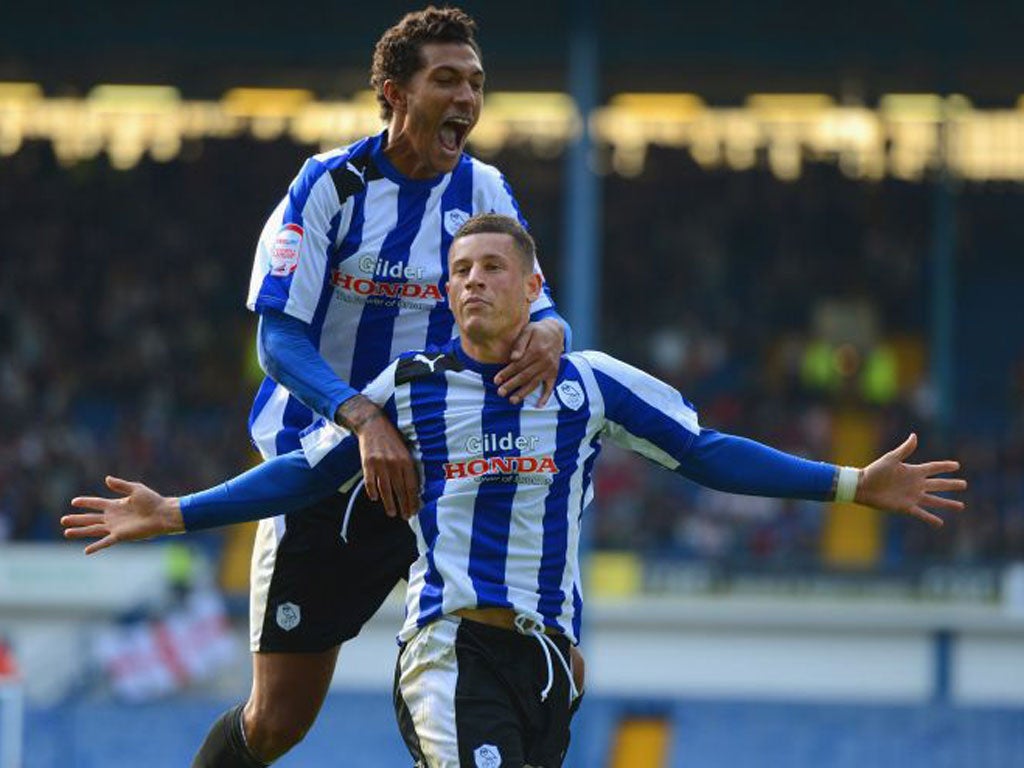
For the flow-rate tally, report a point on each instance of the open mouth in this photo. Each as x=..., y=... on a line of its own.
x=453, y=133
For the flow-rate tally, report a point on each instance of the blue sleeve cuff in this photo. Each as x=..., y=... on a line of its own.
x=739, y=465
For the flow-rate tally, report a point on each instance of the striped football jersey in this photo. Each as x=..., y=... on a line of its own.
x=359, y=253
x=504, y=486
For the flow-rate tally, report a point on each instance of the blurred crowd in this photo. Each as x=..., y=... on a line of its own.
x=799, y=313
x=786, y=311
x=124, y=340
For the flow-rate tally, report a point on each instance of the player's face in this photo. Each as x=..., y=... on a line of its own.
x=436, y=110
x=489, y=288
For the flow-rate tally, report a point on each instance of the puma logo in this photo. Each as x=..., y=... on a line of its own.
x=423, y=365
x=356, y=171
x=427, y=361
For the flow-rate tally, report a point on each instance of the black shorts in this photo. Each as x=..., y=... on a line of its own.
x=310, y=590
x=468, y=694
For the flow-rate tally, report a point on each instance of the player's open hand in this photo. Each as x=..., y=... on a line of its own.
x=535, y=356
x=140, y=513
x=889, y=483
x=388, y=469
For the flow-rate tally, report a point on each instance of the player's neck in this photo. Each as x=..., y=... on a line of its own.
x=490, y=350
x=402, y=155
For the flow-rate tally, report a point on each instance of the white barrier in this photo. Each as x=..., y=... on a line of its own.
x=807, y=648
x=791, y=649
x=52, y=579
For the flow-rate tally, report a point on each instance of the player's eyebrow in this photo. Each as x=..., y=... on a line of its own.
x=452, y=69
x=486, y=258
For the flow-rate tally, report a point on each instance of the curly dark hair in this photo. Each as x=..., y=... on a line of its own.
x=397, y=54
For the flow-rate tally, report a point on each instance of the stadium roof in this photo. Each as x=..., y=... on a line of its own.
x=724, y=49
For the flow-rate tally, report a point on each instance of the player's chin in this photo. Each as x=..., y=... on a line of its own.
x=446, y=157
x=474, y=324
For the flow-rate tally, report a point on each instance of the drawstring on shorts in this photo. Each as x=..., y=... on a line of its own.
x=527, y=625
x=348, y=509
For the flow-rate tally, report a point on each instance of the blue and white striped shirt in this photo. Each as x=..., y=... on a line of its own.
x=358, y=252
x=504, y=486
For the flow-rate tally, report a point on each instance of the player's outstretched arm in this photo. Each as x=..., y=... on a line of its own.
x=282, y=485
x=140, y=513
x=889, y=483
x=643, y=412
x=536, y=356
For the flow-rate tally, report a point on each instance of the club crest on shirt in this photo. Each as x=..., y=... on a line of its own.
x=454, y=219
x=570, y=394
x=288, y=616
x=487, y=756
x=284, y=256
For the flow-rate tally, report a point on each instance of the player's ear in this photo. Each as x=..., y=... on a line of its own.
x=395, y=95
x=534, y=283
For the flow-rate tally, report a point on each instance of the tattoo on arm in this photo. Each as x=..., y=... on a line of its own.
x=356, y=412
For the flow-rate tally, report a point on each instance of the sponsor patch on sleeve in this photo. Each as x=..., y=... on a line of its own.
x=284, y=256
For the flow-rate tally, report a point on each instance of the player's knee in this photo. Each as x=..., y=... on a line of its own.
x=270, y=731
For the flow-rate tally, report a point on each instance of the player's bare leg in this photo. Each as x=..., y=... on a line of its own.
x=576, y=664
x=288, y=690
x=578, y=667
